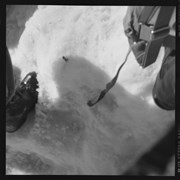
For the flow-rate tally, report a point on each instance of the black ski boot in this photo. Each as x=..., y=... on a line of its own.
x=22, y=102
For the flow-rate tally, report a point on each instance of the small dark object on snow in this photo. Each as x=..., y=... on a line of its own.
x=22, y=102
x=66, y=59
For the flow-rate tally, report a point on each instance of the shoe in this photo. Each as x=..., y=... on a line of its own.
x=22, y=102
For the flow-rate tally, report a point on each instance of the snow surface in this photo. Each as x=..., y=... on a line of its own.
x=64, y=135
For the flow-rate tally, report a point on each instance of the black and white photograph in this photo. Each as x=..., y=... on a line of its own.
x=90, y=90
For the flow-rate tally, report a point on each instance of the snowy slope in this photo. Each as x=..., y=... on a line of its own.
x=64, y=135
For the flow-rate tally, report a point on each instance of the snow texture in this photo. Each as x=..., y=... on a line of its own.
x=63, y=135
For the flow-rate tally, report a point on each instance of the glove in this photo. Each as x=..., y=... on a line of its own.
x=139, y=51
x=138, y=47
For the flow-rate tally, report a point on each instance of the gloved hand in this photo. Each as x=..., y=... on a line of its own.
x=131, y=29
x=131, y=35
x=138, y=47
x=139, y=51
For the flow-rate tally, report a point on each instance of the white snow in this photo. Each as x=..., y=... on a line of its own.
x=64, y=132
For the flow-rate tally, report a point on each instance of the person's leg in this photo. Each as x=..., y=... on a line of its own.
x=164, y=88
x=9, y=74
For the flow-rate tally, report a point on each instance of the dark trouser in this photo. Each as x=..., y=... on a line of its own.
x=164, y=87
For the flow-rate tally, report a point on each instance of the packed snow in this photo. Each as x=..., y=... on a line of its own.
x=63, y=135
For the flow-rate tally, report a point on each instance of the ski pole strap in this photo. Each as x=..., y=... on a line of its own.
x=108, y=85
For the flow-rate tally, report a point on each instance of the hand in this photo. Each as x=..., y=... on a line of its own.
x=139, y=51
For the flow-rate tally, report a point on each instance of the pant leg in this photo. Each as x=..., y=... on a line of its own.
x=164, y=88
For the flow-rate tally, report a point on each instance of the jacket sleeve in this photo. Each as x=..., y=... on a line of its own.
x=130, y=22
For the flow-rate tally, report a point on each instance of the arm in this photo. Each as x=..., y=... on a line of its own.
x=131, y=30
x=130, y=23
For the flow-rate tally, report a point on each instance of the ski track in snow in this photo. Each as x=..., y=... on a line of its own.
x=64, y=135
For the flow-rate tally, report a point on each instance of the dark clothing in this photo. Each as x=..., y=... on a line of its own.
x=164, y=88
x=158, y=157
x=130, y=22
